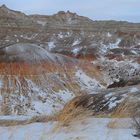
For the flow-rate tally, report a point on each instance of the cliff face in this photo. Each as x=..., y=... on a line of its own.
x=47, y=60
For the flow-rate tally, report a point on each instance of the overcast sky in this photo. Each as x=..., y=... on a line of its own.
x=95, y=9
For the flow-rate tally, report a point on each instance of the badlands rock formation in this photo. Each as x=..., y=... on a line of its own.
x=45, y=61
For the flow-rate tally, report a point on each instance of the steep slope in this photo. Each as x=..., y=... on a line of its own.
x=30, y=53
x=47, y=60
x=34, y=81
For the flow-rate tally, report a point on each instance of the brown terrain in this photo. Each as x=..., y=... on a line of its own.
x=46, y=61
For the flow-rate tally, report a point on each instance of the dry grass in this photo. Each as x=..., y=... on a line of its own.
x=74, y=110
x=64, y=117
x=79, y=113
x=68, y=119
x=126, y=109
x=28, y=121
x=79, y=108
x=119, y=123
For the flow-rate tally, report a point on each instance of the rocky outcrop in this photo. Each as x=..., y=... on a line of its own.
x=14, y=19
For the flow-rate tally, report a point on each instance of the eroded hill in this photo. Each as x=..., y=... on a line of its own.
x=47, y=60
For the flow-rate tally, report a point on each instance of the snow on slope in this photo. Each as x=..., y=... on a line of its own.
x=76, y=42
x=28, y=52
x=51, y=103
x=87, y=82
x=32, y=99
x=104, y=48
x=114, y=70
x=85, y=129
x=51, y=45
x=75, y=51
x=32, y=52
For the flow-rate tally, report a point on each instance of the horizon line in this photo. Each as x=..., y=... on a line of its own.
x=57, y=11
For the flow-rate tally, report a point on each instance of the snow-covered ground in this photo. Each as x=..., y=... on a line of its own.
x=87, y=82
x=84, y=129
x=76, y=42
x=51, y=45
x=114, y=70
x=75, y=51
x=104, y=48
x=37, y=100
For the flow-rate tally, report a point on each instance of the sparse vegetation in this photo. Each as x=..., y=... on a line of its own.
x=66, y=116
x=28, y=121
x=45, y=61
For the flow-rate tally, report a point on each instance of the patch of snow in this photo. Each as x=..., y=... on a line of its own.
x=113, y=102
x=43, y=23
x=14, y=117
x=28, y=37
x=60, y=35
x=108, y=95
x=65, y=95
x=109, y=34
x=40, y=106
x=115, y=70
x=134, y=89
x=51, y=45
x=17, y=40
x=134, y=64
x=76, y=42
x=134, y=52
x=114, y=45
x=69, y=20
x=50, y=103
x=86, y=81
x=138, y=43
x=43, y=108
x=69, y=34
x=105, y=48
x=76, y=51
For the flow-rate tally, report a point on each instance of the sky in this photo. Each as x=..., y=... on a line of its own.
x=128, y=10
